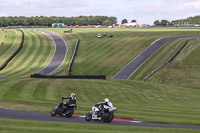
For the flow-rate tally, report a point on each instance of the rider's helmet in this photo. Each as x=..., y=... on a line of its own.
x=106, y=100
x=73, y=95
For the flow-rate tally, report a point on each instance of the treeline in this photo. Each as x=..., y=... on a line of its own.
x=47, y=21
x=190, y=20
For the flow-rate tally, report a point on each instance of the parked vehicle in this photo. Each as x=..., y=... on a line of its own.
x=106, y=115
x=98, y=35
x=64, y=109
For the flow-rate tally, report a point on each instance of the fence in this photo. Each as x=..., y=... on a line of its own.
x=69, y=76
x=73, y=57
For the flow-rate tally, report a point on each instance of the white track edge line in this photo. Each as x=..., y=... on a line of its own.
x=136, y=121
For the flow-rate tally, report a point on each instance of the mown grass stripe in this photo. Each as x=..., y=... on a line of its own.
x=42, y=56
x=34, y=60
x=40, y=90
x=8, y=41
x=29, y=58
x=14, y=48
x=21, y=57
x=14, y=90
x=10, y=47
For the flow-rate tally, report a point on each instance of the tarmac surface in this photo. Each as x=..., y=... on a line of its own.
x=35, y=116
x=137, y=62
x=59, y=54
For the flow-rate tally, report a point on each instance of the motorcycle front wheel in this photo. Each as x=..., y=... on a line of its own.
x=88, y=117
x=69, y=113
x=109, y=118
x=54, y=112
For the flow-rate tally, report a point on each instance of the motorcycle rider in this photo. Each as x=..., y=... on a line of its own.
x=100, y=106
x=72, y=100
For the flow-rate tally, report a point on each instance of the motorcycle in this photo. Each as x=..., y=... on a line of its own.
x=106, y=115
x=64, y=109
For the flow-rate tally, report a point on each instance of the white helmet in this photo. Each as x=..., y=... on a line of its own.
x=106, y=100
x=73, y=95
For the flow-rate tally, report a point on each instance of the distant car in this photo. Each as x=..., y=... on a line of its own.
x=98, y=35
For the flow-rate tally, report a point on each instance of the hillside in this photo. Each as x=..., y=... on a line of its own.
x=147, y=102
x=35, y=54
x=184, y=70
x=173, y=101
x=97, y=56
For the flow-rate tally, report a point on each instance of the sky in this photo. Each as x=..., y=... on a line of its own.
x=144, y=11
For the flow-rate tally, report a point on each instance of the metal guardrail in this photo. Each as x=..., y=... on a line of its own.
x=73, y=57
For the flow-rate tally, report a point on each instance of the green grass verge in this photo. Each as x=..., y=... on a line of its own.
x=36, y=53
x=160, y=57
x=13, y=47
x=106, y=56
x=109, y=55
x=184, y=70
x=19, y=126
x=8, y=42
x=135, y=100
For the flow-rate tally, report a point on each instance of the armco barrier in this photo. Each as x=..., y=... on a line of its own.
x=170, y=59
x=16, y=52
x=69, y=76
x=73, y=57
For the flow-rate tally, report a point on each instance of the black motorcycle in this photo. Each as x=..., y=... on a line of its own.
x=64, y=109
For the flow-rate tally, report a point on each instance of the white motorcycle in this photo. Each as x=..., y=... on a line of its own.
x=107, y=114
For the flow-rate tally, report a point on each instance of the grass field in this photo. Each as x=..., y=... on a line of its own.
x=9, y=46
x=109, y=55
x=158, y=59
x=16, y=126
x=184, y=70
x=36, y=53
x=135, y=100
x=173, y=101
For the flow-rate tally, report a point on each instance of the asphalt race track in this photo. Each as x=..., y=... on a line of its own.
x=59, y=54
x=35, y=116
x=137, y=62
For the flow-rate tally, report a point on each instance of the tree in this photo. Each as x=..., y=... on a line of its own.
x=112, y=19
x=157, y=23
x=124, y=21
x=107, y=22
x=47, y=21
x=133, y=20
x=164, y=22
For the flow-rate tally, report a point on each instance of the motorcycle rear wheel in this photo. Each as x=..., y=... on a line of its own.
x=110, y=118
